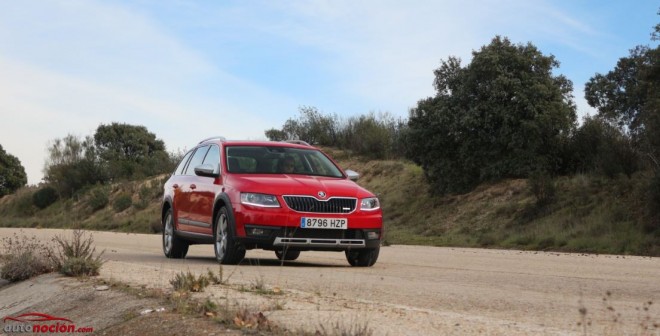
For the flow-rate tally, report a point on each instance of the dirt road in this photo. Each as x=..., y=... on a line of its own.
x=416, y=290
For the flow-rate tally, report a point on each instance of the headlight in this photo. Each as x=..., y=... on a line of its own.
x=262, y=200
x=369, y=204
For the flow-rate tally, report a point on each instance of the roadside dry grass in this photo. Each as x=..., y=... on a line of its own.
x=26, y=256
x=187, y=300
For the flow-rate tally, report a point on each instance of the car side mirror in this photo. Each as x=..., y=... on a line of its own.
x=206, y=170
x=352, y=175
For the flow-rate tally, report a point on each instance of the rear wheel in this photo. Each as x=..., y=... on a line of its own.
x=288, y=255
x=362, y=257
x=227, y=251
x=173, y=246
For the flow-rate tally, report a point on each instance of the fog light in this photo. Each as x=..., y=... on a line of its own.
x=373, y=234
x=256, y=232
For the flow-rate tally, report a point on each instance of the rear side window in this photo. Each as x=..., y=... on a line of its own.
x=196, y=160
x=182, y=164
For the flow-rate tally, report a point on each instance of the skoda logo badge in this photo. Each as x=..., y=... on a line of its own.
x=321, y=194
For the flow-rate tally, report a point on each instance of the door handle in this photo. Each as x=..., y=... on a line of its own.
x=192, y=186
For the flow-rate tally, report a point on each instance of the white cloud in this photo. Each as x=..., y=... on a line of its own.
x=386, y=51
x=98, y=63
x=67, y=66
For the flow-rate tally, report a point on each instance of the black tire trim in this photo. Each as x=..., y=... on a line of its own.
x=362, y=257
x=235, y=251
x=287, y=255
x=180, y=246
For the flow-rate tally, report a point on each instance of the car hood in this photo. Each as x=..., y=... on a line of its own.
x=285, y=184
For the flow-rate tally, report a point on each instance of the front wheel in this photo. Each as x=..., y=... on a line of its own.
x=173, y=246
x=362, y=257
x=227, y=251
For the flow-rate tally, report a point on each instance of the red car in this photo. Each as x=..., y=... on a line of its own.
x=286, y=197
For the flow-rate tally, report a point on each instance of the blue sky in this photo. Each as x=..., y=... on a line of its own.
x=191, y=69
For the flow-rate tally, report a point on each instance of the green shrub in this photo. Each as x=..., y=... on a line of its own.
x=543, y=188
x=653, y=222
x=76, y=257
x=144, y=196
x=598, y=146
x=21, y=204
x=486, y=239
x=546, y=243
x=44, y=197
x=187, y=282
x=367, y=135
x=122, y=203
x=80, y=267
x=98, y=198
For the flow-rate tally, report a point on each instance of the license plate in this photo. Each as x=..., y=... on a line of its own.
x=324, y=223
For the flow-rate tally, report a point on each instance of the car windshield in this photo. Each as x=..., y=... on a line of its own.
x=279, y=160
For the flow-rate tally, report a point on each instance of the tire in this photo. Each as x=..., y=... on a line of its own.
x=227, y=250
x=173, y=247
x=362, y=257
x=289, y=255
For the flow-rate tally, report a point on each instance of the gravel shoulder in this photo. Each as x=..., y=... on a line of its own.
x=412, y=290
x=107, y=312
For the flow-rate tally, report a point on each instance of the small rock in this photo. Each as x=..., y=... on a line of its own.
x=146, y=311
x=102, y=288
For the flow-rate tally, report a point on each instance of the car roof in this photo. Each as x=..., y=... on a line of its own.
x=291, y=144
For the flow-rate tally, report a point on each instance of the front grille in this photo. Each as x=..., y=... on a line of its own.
x=311, y=204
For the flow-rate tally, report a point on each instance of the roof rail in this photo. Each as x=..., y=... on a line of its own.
x=297, y=142
x=221, y=138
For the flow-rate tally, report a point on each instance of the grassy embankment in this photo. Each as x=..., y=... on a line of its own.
x=588, y=213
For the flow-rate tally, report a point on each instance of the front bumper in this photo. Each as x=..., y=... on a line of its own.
x=277, y=228
x=276, y=238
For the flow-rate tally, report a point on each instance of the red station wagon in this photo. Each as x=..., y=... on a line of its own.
x=286, y=197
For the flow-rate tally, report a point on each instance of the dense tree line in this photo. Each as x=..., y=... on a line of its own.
x=371, y=135
x=115, y=152
x=506, y=115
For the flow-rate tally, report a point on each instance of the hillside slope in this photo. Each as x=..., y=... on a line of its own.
x=586, y=214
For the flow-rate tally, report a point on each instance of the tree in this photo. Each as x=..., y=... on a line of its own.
x=629, y=96
x=619, y=95
x=598, y=146
x=12, y=173
x=370, y=135
x=311, y=126
x=130, y=151
x=274, y=134
x=72, y=164
x=503, y=115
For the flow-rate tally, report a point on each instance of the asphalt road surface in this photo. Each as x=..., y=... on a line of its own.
x=415, y=289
